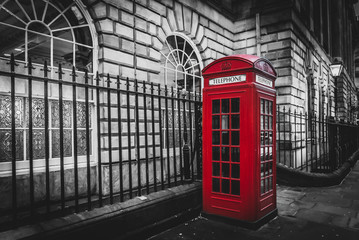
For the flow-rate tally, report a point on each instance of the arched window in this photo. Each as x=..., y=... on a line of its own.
x=181, y=64
x=46, y=30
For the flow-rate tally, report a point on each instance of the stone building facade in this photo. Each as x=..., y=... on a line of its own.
x=299, y=37
x=170, y=41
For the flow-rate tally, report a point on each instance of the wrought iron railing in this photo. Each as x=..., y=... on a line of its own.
x=82, y=141
x=312, y=143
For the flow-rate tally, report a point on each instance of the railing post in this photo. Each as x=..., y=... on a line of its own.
x=13, y=140
x=185, y=149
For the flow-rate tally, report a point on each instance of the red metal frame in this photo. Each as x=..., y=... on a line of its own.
x=224, y=79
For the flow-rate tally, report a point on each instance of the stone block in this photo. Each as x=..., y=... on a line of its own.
x=148, y=64
x=141, y=75
x=227, y=51
x=155, y=54
x=216, y=28
x=269, y=38
x=240, y=44
x=152, y=29
x=117, y=56
x=168, y=3
x=279, y=45
x=125, y=4
x=200, y=33
x=106, y=25
x=151, y=16
x=127, y=18
x=113, y=13
x=127, y=45
x=127, y=72
x=161, y=35
x=228, y=34
x=124, y=30
x=142, y=2
x=187, y=19
x=203, y=21
x=141, y=50
x=239, y=26
x=251, y=42
x=171, y=20
x=245, y=35
x=298, y=59
x=158, y=7
x=143, y=37
x=111, y=68
x=284, y=72
x=194, y=27
x=140, y=24
x=210, y=34
x=251, y=50
x=284, y=53
x=110, y=40
x=166, y=27
x=285, y=34
x=100, y=10
x=157, y=44
x=104, y=128
x=286, y=62
x=224, y=41
x=215, y=45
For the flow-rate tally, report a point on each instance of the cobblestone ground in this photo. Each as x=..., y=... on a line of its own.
x=303, y=213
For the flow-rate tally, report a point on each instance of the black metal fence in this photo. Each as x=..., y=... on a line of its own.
x=82, y=141
x=312, y=143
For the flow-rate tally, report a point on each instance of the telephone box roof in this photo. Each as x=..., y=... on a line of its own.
x=249, y=61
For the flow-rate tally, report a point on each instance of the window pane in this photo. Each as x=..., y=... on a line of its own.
x=225, y=153
x=39, y=48
x=215, y=185
x=225, y=121
x=235, y=137
x=38, y=144
x=225, y=170
x=225, y=105
x=235, y=155
x=215, y=138
x=235, y=187
x=5, y=145
x=235, y=171
x=56, y=143
x=225, y=138
x=235, y=105
x=215, y=106
x=235, y=121
x=225, y=185
x=215, y=122
x=215, y=153
x=215, y=169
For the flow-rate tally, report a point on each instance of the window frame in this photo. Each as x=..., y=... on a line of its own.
x=23, y=166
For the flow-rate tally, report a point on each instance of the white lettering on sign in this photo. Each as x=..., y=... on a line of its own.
x=264, y=81
x=229, y=79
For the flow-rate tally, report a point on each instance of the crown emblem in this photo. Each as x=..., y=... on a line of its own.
x=226, y=65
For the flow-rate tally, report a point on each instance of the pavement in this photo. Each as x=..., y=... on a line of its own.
x=303, y=213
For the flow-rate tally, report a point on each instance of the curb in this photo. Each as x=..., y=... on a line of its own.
x=134, y=217
x=291, y=177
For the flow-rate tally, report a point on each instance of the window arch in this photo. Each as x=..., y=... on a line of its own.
x=46, y=30
x=58, y=32
x=181, y=64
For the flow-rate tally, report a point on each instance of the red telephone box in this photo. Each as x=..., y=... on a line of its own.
x=239, y=139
